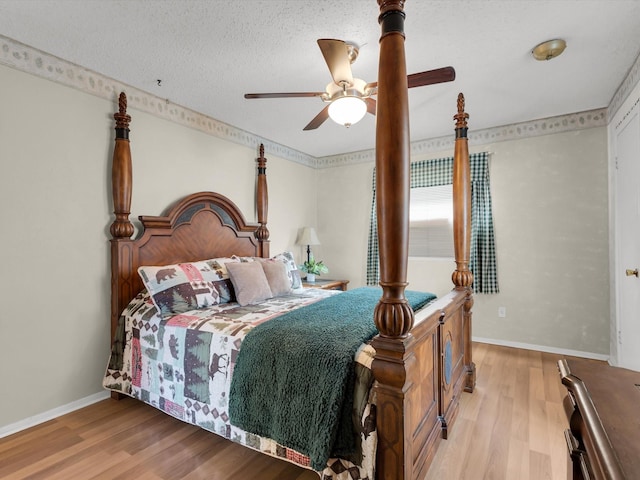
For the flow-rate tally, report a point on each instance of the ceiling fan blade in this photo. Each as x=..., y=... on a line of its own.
x=439, y=75
x=430, y=77
x=319, y=119
x=371, y=105
x=336, y=54
x=283, y=95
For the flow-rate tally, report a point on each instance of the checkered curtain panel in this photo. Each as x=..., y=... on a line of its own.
x=431, y=173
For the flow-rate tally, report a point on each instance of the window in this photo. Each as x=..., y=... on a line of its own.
x=438, y=172
x=431, y=222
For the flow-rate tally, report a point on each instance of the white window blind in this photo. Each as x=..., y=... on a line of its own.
x=431, y=222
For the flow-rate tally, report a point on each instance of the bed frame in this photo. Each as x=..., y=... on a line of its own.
x=423, y=362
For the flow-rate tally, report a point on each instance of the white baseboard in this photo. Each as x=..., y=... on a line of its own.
x=51, y=414
x=542, y=348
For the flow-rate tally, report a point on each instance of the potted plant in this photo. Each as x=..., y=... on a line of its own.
x=312, y=268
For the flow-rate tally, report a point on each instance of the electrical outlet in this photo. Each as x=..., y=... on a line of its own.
x=502, y=312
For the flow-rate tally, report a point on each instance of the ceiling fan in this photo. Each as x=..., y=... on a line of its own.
x=349, y=98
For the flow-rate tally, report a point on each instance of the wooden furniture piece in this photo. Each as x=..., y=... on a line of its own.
x=604, y=426
x=423, y=362
x=327, y=284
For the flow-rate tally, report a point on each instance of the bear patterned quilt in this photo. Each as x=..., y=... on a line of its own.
x=183, y=365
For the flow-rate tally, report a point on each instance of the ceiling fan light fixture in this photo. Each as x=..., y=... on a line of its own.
x=549, y=49
x=347, y=110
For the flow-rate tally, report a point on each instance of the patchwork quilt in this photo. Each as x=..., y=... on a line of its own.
x=183, y=365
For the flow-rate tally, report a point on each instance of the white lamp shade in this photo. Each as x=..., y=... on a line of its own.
x=307, y=236
x=347, y=111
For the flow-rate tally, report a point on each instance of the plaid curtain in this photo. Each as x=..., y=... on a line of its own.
x=431, y=173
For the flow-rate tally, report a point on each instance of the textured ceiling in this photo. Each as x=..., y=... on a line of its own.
x=208, y=53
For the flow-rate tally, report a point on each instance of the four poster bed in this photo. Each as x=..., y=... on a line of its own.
x=184, y=298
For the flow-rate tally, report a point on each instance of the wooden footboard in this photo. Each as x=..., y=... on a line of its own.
x=419, y=382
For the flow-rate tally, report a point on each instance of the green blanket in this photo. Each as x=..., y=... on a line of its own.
x=294, y=375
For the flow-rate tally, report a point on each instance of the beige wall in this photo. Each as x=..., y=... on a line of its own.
x=551, y=220
x=55, y=148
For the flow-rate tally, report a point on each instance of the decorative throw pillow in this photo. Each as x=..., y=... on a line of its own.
x=244, y=259
x=249, y=282
x=292, y=269
x=178, y=288
x=276, y=274
x=224, y=285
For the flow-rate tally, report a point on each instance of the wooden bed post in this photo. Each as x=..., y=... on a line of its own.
x=462, y=277
x=393, y=316
x=121, y=184
x=262, y=204
x=121, y=173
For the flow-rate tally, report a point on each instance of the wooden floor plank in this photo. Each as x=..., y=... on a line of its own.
x=557, y=443
x=540, y=466
x=511, y=427
x=48, y=445
x=80, y=467
x=27, y=437
x=64, y=461
x=518, y=460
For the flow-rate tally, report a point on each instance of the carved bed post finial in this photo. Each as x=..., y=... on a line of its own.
x=121, y=177
x=262, y=206
x=122, y=119
x=461, y=117
x=462, y=277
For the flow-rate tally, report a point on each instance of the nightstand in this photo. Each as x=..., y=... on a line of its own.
x=326, y=284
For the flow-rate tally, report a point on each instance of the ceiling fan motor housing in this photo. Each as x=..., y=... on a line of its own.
x=357, y=89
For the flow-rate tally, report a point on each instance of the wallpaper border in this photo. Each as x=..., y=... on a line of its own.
x=41, y=64
x=628, y=84
x=534, y=128
x=30, y=60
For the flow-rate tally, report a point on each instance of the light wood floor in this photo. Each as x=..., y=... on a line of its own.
x=510, y=428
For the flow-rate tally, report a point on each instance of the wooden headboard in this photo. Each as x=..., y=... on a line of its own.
x=199, y=226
